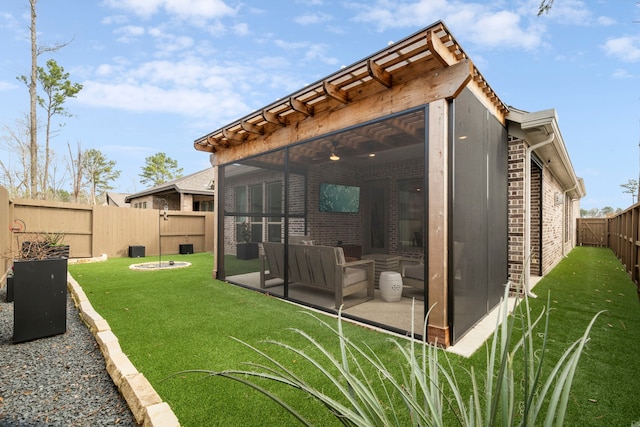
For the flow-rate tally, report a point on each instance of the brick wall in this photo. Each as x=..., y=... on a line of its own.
x=552, y=222
x=536, y=218
x=515, y=203
x=327, y=228
x=550, y=209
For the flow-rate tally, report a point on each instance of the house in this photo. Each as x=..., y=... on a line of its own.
x=117, y=200
x=191, y=193
x=407, y=158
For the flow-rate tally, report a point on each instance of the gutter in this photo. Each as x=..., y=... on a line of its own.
x=564, y=216
x=527, y=214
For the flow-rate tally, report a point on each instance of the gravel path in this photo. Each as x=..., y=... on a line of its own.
x=56, y=381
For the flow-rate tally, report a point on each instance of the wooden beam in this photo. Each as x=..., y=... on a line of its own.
x=232, y=138
x=439, y=50
x=204, y=148
x=300, y=107
x=437, y=217
x=272, y=118
x=251, y=128
x=378, y=73
x=334, y=92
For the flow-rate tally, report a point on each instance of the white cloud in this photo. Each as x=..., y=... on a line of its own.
x=622, y=74
x=318, y=52
x=273, y=62
x=574, y=12
x=115, y=19
x=290, y=45
x=312, y=52
x=106, y=70
x=8, y=21
x=483, y=24
x=191, y=87
x=202, y=9
x=313, y=18
x=7, y=86
x=241, y=29
x=150, y=98
x=128, y=33
x=626, y=49
x=605, y=21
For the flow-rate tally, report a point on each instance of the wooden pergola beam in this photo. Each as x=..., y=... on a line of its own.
x=379, y=74
x=300, y=107
x=439, y=50
x=233, y=138
x=251, y=128
x=272, y=118
x=335, y=92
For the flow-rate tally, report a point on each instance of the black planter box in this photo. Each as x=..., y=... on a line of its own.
x=9, y=289
x=39, y=298
x=136, y=251
x=246, y=251
x=186, y=248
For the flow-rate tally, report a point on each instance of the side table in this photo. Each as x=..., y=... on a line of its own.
x=391, y=286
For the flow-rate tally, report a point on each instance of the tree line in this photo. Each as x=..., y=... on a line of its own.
x=34, y=169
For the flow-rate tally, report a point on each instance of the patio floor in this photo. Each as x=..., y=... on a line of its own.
x=378, y=311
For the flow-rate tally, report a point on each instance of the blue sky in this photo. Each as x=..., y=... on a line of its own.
x=158, y=74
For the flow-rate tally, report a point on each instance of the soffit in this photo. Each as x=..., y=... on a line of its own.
x=538, y=127
x=427, y=50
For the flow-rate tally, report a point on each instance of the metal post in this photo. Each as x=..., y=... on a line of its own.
x=165, y=208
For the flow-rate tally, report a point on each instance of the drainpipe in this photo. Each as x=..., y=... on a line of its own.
x=527, y=213
x=565, y=225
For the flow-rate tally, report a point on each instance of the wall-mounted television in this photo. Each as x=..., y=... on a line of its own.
x=339, y=198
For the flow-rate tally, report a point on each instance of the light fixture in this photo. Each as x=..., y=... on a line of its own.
x=333, y=155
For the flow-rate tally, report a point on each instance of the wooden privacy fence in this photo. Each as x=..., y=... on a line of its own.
x=624, y=239
x=593, y=232
x=95, y=230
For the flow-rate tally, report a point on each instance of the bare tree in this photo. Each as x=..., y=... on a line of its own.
x=545, y=6
x=52, y=182
x=76, y=168
x=15, y=166
x=33, y=101
x=32, y=82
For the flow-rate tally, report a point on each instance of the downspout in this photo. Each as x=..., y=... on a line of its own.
x=565, y=225
x=527, y=213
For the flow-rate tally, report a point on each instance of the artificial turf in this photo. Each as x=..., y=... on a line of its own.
x=174, y=320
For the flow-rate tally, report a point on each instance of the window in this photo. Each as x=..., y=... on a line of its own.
x=411, y=213
x=275, y=206
x=241, y=203
x=256, y=203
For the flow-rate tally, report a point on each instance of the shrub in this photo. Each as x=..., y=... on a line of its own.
x=427, y=390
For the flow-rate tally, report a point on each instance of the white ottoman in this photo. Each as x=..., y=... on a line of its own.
x=390, y=286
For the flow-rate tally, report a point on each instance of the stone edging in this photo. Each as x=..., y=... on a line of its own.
x=145, y=403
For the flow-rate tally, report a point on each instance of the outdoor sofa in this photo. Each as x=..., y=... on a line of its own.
x=321, y=267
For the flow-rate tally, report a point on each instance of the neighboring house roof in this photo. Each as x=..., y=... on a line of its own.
x=117, y=199
x=197, y=183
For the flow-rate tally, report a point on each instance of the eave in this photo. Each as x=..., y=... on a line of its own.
x=537, y=127
x=430, y=49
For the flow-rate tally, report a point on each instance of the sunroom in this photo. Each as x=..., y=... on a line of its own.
x=391, y=169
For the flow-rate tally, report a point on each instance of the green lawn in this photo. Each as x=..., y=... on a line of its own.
x=175, y=320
